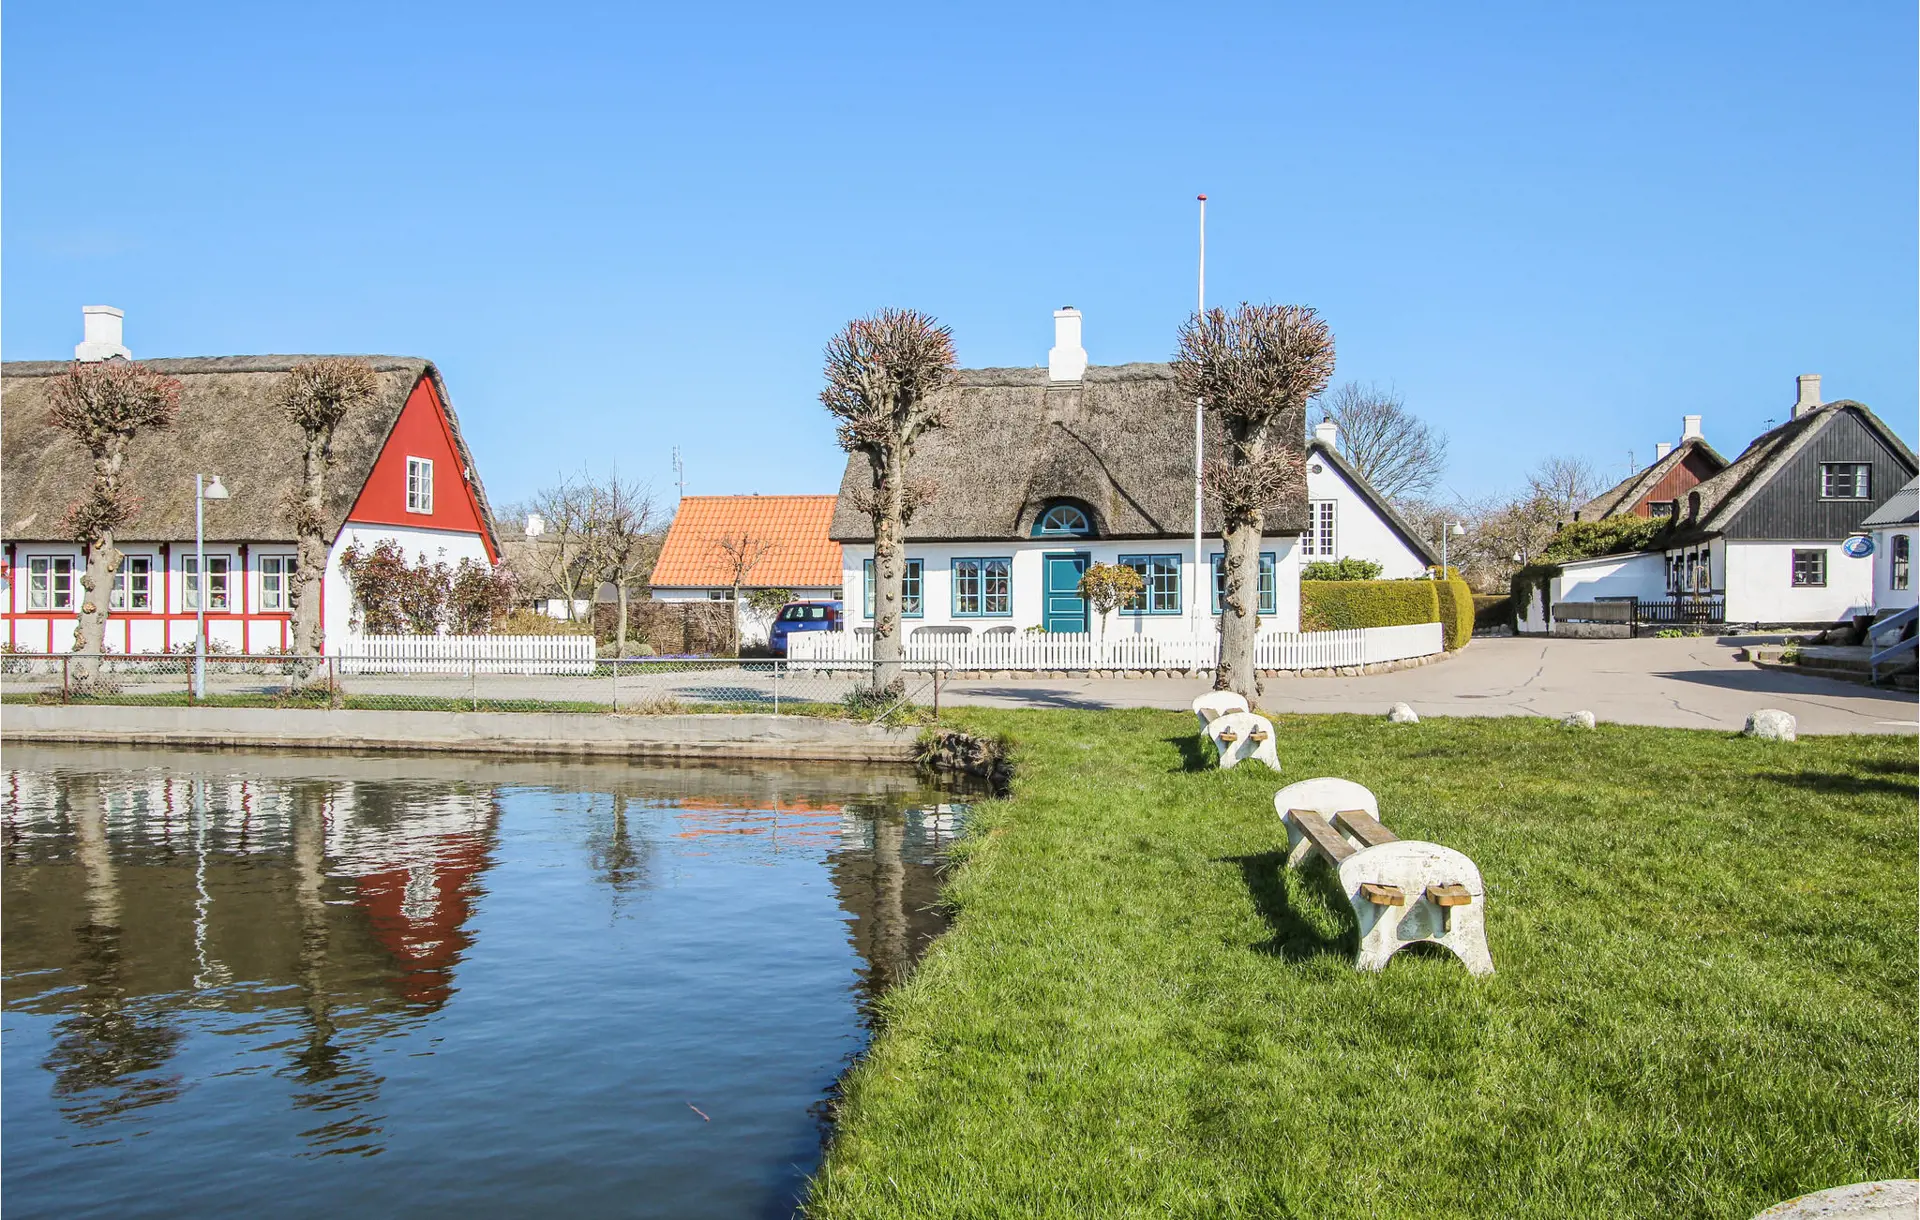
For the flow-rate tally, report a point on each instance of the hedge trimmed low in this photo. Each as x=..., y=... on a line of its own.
x=1456, y=611
x=1341, y=605
x=1491, y=611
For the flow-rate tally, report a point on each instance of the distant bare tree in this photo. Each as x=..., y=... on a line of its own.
x=1254, y=370
x=1392, y=449
x=741, y=552
x=104, y=405
x=623, y=539
x=561, y=557
x=883, y=374
x=316, y=396
x=1563, y=482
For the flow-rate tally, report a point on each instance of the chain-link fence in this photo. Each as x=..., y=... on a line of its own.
x=638, y=685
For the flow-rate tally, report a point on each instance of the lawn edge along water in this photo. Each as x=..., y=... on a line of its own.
x=1705, y=998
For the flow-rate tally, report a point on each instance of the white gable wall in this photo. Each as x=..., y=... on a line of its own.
x=1359, y=531
x=1885, y=596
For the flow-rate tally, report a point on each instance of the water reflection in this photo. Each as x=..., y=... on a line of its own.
x=320, y=913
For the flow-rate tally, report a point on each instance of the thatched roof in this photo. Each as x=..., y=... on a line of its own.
x=1622, y=496
x=1119, y=442
x=1726, y=493
x=229, y=425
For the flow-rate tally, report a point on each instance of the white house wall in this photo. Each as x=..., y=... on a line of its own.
x=1885, y=596
x=1028, y=583
x=1359, y=532
x=1760, y=589
x=754, y=625
x=438, y=546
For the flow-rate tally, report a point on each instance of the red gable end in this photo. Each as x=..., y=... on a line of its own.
x=421, y=432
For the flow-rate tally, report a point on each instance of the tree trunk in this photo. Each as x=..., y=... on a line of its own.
x=1240, y=610
x=735, y=616
x=620, y=617
x=310, y=567
x=889, y=571
x=96, y=585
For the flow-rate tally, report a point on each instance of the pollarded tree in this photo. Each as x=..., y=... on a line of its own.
x=316, y=396
x=883, y=377
x=1253, y=370
x=104, y=405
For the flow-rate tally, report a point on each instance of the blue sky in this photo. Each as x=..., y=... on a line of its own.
x=617, y=230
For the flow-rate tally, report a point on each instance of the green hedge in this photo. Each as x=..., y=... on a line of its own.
x=1492, y=610
x=1338, y=605
x=1456, y=611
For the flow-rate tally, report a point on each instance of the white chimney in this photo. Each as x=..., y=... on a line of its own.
x=1326, y=432
x=1690, y=429
x=102, y=330
x=1068, y=360
x=536, y=525
x=1808, y=398
x=1662, y=449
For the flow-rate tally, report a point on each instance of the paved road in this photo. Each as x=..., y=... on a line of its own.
x=1685, y=683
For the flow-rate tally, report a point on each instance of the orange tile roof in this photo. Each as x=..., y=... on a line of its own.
x=799, y=554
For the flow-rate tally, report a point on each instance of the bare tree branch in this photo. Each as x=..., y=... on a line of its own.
x=1402, y=457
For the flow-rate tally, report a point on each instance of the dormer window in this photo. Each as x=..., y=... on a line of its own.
x=419, y=485
x=1063, y=521
x=1661, y=508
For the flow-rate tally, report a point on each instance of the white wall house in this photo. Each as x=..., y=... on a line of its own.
x=768, y=542
x=1893, y=527
x=1348, y=519
x=401, y=472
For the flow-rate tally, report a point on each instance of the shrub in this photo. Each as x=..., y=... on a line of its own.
x=1341, y=569
x=1456, y=611
x=1534, y=578
x=1491, y=611
x=532, y=622
x=1337, y=605
x=1609, y=536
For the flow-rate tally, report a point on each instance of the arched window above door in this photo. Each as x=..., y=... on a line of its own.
x=1063, y=520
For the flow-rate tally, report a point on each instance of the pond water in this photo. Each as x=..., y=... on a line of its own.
x=304, y=985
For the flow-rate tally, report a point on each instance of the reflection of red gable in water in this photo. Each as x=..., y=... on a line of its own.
x=425, y=931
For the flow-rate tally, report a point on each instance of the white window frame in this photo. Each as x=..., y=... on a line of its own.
x=420, y=485
x=1322, y=536
x=281, y=568
x=130, y=595
x=219, y=581
x=44, y=570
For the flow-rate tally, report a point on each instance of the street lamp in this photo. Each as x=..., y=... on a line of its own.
x=202, y=492
x=1457, y=530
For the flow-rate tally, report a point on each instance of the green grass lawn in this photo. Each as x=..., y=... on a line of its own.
x=1705, y=998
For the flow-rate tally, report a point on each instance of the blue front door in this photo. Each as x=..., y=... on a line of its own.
x=1066, y=610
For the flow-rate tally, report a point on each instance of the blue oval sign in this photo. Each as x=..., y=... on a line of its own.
x=1859, y=546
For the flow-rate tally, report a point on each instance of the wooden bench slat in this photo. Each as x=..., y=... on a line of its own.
x=1321, y=835
x=1364, y=827
x=1383, y=895
x=1451, y=895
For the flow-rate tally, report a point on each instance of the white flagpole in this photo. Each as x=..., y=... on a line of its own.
x=1202, y=579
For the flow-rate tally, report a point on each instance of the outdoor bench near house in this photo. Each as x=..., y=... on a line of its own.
x=1402, y=892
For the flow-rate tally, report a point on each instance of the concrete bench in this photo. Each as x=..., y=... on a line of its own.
x=1240, y=736
x=1216, y=703
x=1402, y=892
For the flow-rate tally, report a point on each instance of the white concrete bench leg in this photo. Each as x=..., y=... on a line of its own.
x=1216, y=703
x=1406, y=893
x=1239, y=736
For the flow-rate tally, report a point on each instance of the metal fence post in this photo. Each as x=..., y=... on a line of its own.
x=473, y=681
x=936, y=690
x=616, y=680
x=65, y=661
x=776, y=688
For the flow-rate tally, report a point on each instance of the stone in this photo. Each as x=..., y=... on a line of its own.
x=1400, y=713
x=1895, y=1199
x=1579, y=720
x=1240, y=736
x=1771, y=724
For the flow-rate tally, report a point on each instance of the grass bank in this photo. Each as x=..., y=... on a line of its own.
x=1705, y=1000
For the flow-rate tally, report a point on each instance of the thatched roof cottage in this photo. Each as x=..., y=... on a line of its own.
x=401, y=470
x=1040, y=472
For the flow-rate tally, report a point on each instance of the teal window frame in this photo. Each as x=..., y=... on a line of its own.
x=913, y=588
x=981, y=575
x=1146, y=565
x=1269, y=581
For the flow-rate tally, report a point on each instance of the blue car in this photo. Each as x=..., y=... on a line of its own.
x=801, y=616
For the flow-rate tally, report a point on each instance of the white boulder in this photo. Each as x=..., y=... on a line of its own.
x=1400, y=713
x=1888, y=1200
x=1579, y=720
x=1771, y=724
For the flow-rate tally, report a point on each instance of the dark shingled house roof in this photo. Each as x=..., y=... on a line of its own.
x=1622, y=496
x=229, y=425
x=1120, y=442
x=1726, y=493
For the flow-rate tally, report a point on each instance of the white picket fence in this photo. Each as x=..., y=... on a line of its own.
x=459, y=654
x=1275, y=650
